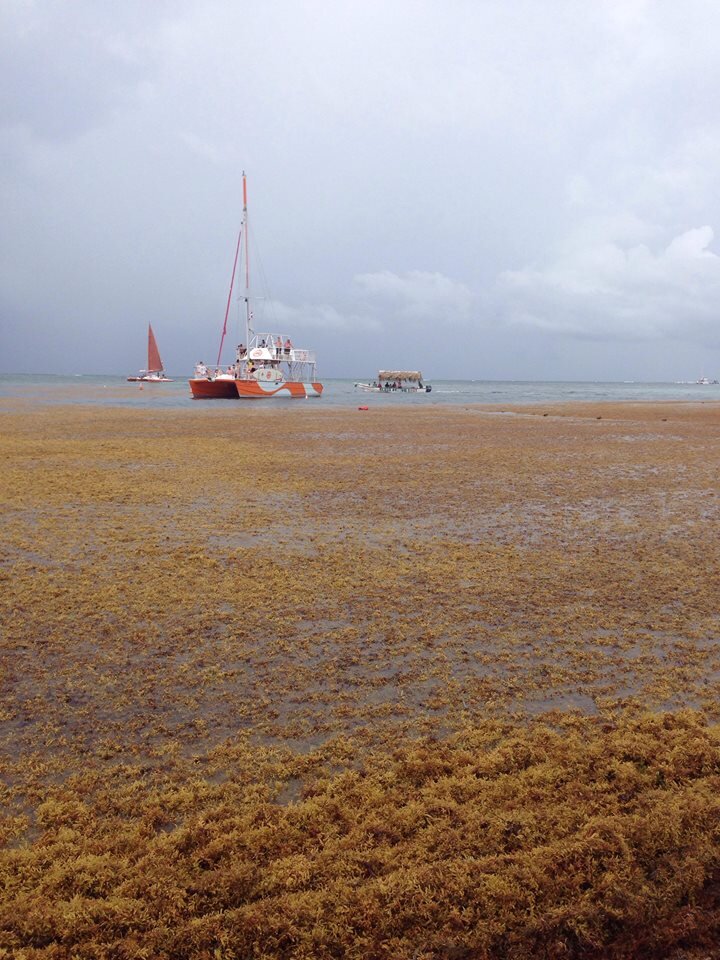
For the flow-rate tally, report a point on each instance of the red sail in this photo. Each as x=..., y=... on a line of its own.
x=154, y=361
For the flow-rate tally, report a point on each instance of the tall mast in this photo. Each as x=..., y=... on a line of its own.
x=248, y=326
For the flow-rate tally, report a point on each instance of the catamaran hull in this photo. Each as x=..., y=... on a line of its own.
x=213, y=389
x=252, y=389
x=257, y=390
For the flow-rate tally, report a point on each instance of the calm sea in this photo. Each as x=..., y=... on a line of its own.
x=116, y=391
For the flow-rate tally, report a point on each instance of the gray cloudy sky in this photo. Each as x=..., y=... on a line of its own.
x=478, y=188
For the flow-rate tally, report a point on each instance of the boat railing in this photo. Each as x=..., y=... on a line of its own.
x=302, y=356
x=279, y=347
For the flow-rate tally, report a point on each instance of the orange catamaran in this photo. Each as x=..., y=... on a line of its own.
x=154, y=372
x=267, y=364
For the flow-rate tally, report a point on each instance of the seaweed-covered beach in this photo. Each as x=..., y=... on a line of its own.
x=406, y=683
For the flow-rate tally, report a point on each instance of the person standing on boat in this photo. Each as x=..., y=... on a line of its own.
x=200, y=370
x=240, y=352
x=288, y=347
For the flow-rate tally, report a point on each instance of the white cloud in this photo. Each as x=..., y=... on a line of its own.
x=379, y=301
x=203, y=148
x=692, y=245
x=320, y=316
x=417, y=294
x=606, y=290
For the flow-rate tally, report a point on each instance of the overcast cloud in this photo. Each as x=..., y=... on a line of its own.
x=478, y=188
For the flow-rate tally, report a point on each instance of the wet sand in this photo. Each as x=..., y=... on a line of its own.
x=270, y=596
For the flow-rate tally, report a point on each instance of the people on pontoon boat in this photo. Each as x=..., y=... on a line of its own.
x=392, y=385
x=244, y=366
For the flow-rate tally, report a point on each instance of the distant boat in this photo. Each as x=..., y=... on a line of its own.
x=266, y=365
x=705, y=380
x=394, y=381
x=154, y=372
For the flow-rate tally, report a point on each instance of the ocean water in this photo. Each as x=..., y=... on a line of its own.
x=116, y=391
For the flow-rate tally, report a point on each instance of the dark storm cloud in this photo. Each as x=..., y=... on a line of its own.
x=422, y=176
x=66, y=67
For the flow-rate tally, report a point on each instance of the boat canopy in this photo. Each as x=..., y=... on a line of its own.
x=413, y=375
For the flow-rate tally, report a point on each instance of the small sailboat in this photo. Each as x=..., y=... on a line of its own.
x=154, y=372
x=267, y=364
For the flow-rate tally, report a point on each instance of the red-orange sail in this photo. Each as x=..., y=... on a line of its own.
x=154, y=361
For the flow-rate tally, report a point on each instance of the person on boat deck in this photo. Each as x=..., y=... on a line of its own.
x=201, y=370
x=240, y=352
x=288, y=346
x=278, y=347
x=230, y=371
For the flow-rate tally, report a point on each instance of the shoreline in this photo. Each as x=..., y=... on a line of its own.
x=343, y=394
